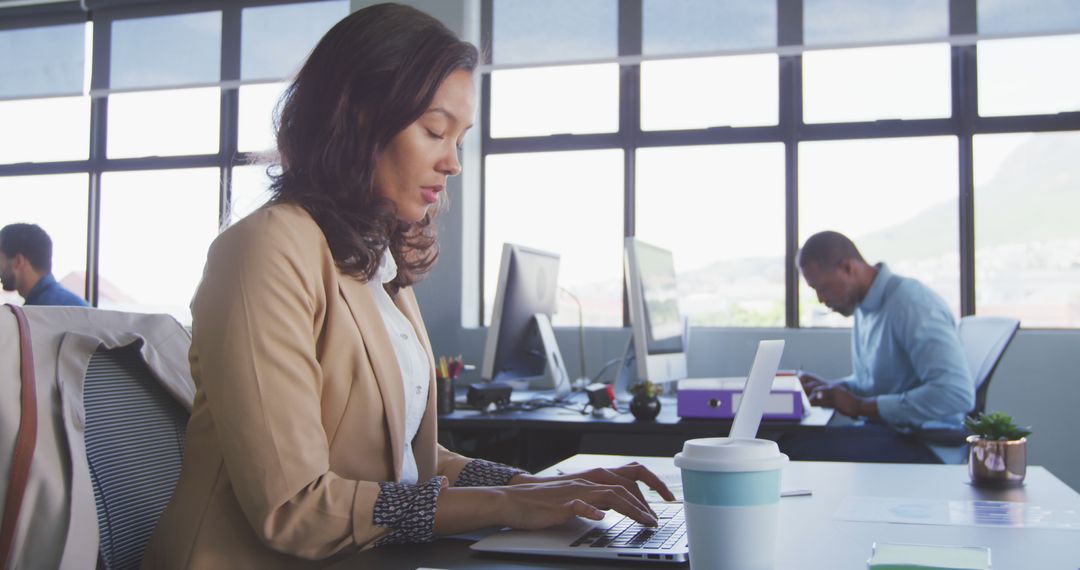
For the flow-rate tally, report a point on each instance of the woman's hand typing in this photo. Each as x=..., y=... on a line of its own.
x=533, y=502
x=626, y=475
x=540, y=505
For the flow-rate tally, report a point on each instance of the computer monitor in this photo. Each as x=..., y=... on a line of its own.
x=659, y=332
x=520, y=341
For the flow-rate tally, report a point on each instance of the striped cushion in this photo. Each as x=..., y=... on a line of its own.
x=134, y=445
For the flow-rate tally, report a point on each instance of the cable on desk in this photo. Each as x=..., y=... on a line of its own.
x=596, y=377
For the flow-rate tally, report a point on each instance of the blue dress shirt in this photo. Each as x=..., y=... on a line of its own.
x=48, y=292
x=906, y=351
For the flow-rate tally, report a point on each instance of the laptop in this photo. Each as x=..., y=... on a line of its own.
x=620, y=538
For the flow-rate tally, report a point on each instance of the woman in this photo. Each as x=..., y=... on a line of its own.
x=313, y=431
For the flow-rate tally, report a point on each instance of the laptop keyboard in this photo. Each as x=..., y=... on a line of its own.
x=669, y=530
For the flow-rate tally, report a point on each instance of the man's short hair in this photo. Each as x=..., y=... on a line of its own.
x=29, y=240
x=827, y=249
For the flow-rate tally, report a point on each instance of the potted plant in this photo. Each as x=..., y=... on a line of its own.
x=645, y=405
x=998, y=450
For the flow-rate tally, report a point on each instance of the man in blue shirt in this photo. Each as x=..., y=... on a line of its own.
x=26, y=267
x=908, y=367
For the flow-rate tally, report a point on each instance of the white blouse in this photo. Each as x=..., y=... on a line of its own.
x=411, y=358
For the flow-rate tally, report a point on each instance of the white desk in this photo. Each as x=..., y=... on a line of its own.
x=816, y=539
x=811, y=537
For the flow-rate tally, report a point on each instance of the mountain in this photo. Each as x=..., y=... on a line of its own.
x=1034, y=196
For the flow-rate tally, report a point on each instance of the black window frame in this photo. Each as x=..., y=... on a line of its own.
x=225, y=159
x=964, y=123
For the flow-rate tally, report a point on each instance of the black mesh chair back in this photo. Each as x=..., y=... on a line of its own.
x=984, y=339
x=134, y=446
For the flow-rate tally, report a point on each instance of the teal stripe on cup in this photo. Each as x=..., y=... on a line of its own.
x=731, y=489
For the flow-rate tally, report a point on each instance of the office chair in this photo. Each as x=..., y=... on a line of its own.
x=134, y=446
x=984, y=340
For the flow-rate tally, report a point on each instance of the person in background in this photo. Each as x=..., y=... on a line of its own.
x=908, y=369
x=313, y=430
x=26, y=267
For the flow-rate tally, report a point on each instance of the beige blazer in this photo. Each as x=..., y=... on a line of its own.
x=299, y=408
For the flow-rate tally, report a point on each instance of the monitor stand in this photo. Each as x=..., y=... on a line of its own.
x=555, y=376
x=627, y=374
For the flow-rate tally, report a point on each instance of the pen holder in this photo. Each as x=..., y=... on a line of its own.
x=446, y=371
x=444, y=399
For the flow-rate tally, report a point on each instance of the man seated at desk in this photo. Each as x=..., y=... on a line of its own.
x=908, y=367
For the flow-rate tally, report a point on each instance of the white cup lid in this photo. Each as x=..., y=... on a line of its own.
x=730, y=454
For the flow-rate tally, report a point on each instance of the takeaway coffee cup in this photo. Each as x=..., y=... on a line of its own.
x=731, y=491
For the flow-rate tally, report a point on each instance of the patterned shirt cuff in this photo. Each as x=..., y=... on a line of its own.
x=408, y=509
x=481, y=473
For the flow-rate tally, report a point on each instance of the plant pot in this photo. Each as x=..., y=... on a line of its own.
x=644, y=409
x=997, y=463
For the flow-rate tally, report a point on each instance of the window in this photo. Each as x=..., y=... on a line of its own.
x=734, y=91
x=258, y=103
x=162, y=76
x=567, y=30
x=22, y=139
x=720, y=210
x=58, y=204
x=166, y=51
x=43, y=62
x=276, y=40
x=43, y=76
x=554, y=100
x=1044, y=16
x=250, y=190
x=878, y=21
x=868, y=84
x=155, y=225
x=1027, y=242
x=690, y=26
x=1026, y=76
x=155, y=229
x=164, y=123
x=704, y=92
x=43, y=80
x=550, y=201
x=745, y=127
x=626, y=108
x=895, y=198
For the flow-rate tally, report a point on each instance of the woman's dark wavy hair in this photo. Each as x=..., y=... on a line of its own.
x=373, y=74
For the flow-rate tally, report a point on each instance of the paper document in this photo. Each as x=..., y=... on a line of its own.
x=957, y=513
